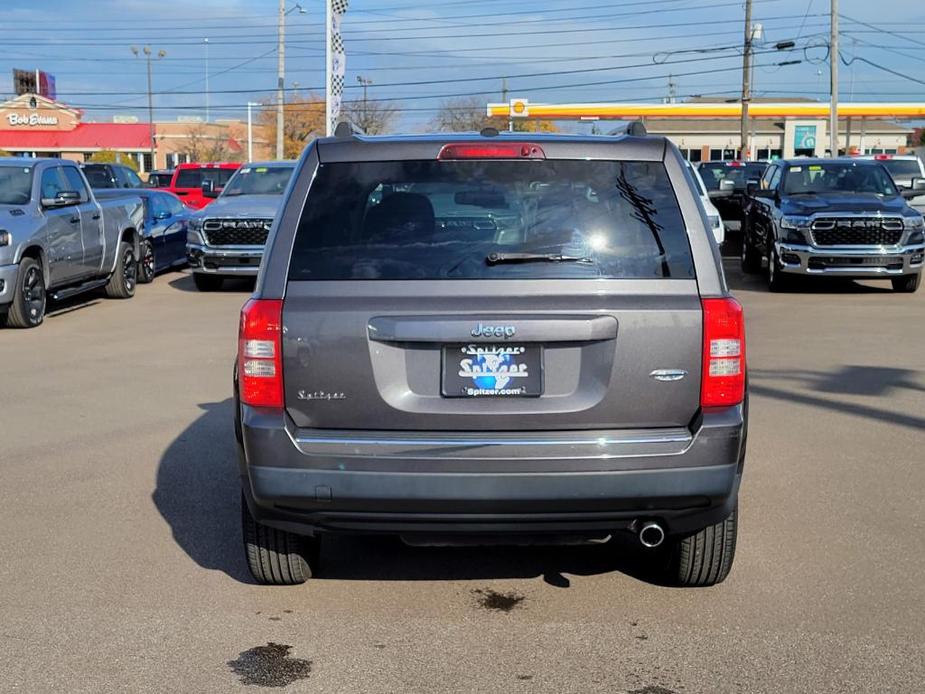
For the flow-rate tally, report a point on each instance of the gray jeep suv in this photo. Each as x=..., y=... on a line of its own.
x=461, y=338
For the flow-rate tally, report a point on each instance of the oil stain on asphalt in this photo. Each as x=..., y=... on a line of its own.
x=501, y=602
x=270, y=666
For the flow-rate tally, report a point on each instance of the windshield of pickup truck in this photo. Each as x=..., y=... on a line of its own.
x=737, y=172
x=259, y=180
x=902, y=168
x=838, y=177
x=15, y=185
x=550, y=219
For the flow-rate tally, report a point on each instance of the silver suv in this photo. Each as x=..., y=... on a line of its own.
x=461, y=338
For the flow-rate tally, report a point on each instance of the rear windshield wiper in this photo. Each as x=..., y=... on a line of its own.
x=498, y=258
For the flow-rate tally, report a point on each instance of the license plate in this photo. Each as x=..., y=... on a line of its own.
x=486, y=370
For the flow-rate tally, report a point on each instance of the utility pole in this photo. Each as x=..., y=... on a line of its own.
x=206, y=42
x=365, y=82
x=833, y=89
x=510, y=121
x=147, y=53
x=746, y=80
x=280, y=78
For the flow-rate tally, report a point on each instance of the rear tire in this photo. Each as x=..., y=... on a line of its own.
x=276, y=557
x=146, y=263
x=29, y=299
x=907, y=284
x=122, y=283
x=704, y=558
x=207, y=283
x=750, y=257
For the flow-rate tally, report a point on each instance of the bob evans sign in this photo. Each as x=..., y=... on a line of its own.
x=32, y=119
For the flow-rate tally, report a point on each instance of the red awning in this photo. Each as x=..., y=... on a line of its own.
x=86, y=136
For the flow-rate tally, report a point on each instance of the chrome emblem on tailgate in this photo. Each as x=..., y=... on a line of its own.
x=668, y=374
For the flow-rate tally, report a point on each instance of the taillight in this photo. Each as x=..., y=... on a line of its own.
x=260, y=367
x=723, y=380
x=500, y=150
x=882, y=157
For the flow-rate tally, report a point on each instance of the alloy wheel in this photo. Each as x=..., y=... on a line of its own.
x=33, y=293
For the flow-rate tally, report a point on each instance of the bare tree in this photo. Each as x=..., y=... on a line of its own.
x=203, y=144
x=465, y=114
x=371, y=116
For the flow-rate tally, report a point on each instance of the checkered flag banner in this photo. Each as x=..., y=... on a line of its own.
x=338, y=60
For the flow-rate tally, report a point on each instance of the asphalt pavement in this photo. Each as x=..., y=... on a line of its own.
x=121, y=566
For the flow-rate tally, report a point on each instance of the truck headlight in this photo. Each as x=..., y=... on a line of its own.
x=794, y=222
x=193, y=227
x=914, y=222
x=5, y=238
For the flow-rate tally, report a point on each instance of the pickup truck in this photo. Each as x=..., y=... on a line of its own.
x=109, y=176
x=227, y=238
x=833, y=218
x=193, y=183
x=726, y=182
x=57, y=239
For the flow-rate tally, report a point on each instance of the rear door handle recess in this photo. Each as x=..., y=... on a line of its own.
x=74, y=220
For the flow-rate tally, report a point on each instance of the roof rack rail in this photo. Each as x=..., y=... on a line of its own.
x=634, y=128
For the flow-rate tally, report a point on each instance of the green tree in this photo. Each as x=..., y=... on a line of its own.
x=108, y=156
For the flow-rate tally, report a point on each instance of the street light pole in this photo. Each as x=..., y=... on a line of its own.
x=147, y=53
x=250, y=131
x=833, y=88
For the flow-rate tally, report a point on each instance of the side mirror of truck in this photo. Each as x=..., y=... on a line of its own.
x=62, y=199
x=725, y=189
x=208, y=189
x=916, y=189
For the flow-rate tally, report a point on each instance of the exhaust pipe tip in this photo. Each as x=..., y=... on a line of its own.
x=651, y=535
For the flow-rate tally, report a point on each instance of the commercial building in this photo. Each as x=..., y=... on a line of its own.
x=33, y=125
x=717, y=139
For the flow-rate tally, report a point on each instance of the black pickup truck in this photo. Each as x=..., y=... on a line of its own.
x=726, y=183
x=833, y=218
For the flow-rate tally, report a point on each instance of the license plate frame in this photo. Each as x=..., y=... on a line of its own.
x=516, y=370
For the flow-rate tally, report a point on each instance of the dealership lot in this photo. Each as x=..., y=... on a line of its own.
x=122, y=567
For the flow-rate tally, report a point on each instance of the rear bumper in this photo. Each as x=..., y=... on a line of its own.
x=846, y=261
x=8, y=275
x=224, y=261
x=311, y=481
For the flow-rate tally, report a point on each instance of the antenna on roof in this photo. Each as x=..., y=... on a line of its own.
x=346, y=129
x=633, y=128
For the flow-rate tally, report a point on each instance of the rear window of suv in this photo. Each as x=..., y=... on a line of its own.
x=547, y=219
x=193, y=178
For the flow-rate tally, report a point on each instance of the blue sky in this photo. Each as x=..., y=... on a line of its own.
x=418, y=53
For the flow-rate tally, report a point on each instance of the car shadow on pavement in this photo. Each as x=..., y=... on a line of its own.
x=198, y=494
x=184, y=282
x=371, y=558
x=810, y=388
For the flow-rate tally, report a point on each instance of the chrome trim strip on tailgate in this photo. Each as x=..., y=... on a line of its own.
x=487, y=445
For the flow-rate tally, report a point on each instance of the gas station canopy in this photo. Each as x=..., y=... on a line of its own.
x=522, y=108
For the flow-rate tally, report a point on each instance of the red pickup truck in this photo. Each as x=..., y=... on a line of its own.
x=198, y=184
